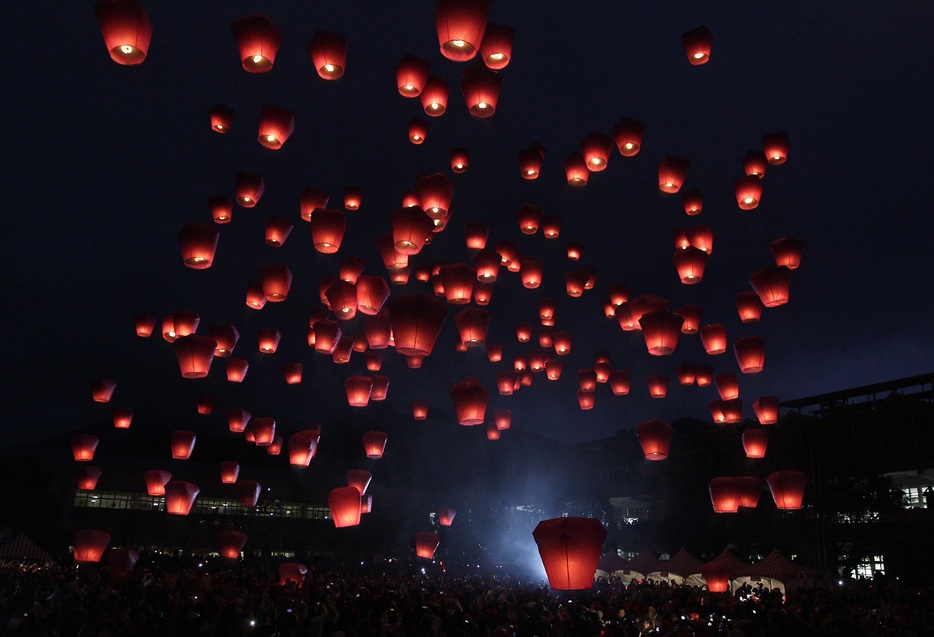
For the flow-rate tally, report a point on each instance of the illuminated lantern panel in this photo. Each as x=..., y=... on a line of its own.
x=686, y=374
x=221, y=119
x=787, y=252
x=537, y=360
x=531, y=272
x=358, y=389
x=275, y=126
x=230, y=471
x=249, y=189
x=697, y=44
x=628, y=136
x=472, y=325
x=562, y=342
x=342, y=299
x=328, y=53
x=344, y=503
x=494, y=352
x=509, y=252
x=414, y=362
x=574, y=250
x=351, y=268
x=749, y=307
x=570, y=548
x=353, y=196
x=426, y=544
x=596, y=149
x=520, y=363
x=255, y=297
x=275, y=447
x=732, y=410
x=126, y=29
x=420, y=410
x=672, y=172
x=156, y=480
x=502, y=418
x=418, y=131
x=102, y=390
x=492, y=433
x=749, y=489
x=88, y=477
x=690, y=263
x=366, y=504
x=748, y=191
x=83, y=447
x=291, y=572
x=553, y=369
x=460, y=25
x=655, y=437
x=268, y=338
x=180, y=323
x=476, y=235
x=327, y=230
x=470, y=400
x=205, y=405
x=530, y=161
x=411, y=75
x=487, y=264
x=691, y=315
x=123, y=417
x=411, y=228
x=771, y=284
x=750, y=354
x=225, y=337
x=587, y=380
x=496, y=46
x=727, y=386
x=276, y=279
x=693, y=202
x=258, y=41
x=434, y=96
x=236, y=369
x=343, y=350
x=586, y=399
x=766, y=408
x=231, y=543
x=292, y=373
x=658, y=385
x=661, y=329
x=90, y=545
x=530, y=218
x=248, y=492
x=446, y=515
x=775, y=147
x=380, y=387
x=372, y=292
x=506, y=383
x=546, y=312
x=311, y=199
x=755, y=163
x=480, y=87
x=703, y=375
x=460, y=160
x=717, y=575
x=434, y=196
x=144, y=325
x=787, y=488
x=575, y=170
x=524, y=332
x=755, y=442
x=198, y=242
x=302, y=447
x=374, y=443
x=277, y=231
x=551, y=226
x=377, y=330
x=645, y=303
x=724, y=495
x=458, y=281
x=359, y=479
x=619, y=382
x=180, y=497
x=482, y=293
x=182, y=443
x=713, y=337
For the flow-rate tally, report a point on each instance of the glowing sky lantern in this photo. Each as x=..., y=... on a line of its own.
x=359, y=479
x=276, y=279
x=655, y=438
x=249, y=188
x=749, y=307
x=328, y=53
x=755, y=442
x=596, y=148
x=411, y=75
x=180, y=496
x=206, y=405
x=771, y=284
x=658, y=385
x=713, y=338
x=182, y=443
x=231, y=543
x=766, y=408
x=434, y=96
x=458, y=280
x=179, y=323
x=426, y=544
x=102, y=390
x=374, y=444
x=530, y=161
x=446, y=516
x=531, y=272
x=358, y=390
x=481, y=87
x=248, y=492
x=411, y=228
x=419, y=410
x=122, y=417
x=342, y=299
x=697, y=45
x=755, y=163
x=460, y=159
x=87, y=477
x=258, y=41
x=775, y=147
x=672, y=172
x=90, y=545
x=198, y=242
x=470, y=399
x=661, y=329
x=344, y=503
x=230, y=471
x=727, y=385
x=724, y=495
x=628, y=136
x=418, y=131
x=291, y=572
x=156, y=480
x=268, y=339
x=750, y=354
x=221, y=119
x=787, y=488
x=472, y=325
x=126, y=29
x=237, y=369
x=748, y=191
x=787, y=252
x=692, y=201
x=691, y=315
x=575, y=170
x=353, y=197
x=690, y=263
x=195, y=353
x=460, y=25
x=225, y=338
x=570, y=549
x=144, y=324
x=277, y=231
x=276, y=124
x=327, y=230
x=311, y=199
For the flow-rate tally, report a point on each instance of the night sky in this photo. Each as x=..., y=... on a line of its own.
x=104, y=164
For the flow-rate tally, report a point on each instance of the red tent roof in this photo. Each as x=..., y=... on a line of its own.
x=22, y=548
x=777, y=566
x=682, y=563
x=738, y=567
x=645, y=562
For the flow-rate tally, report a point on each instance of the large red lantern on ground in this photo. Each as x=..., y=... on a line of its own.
x=275, y=126
x=126, y=29
x=570, y=549
x=90, y=545
x=750, y=354
x=231, y=543
x=480, y=87
x=724, y=495
x=344, y=503
x=195, y=354
x=766, y=408
x=655, y=437
x=787, y=488
x=461, y=25
x=697, y=44
x=328, y=53
x=717, y=575
x=470, y=400
x=198, y=242
x=180, y=497
x=258, y=41
x=416, y=321
x=755, y=442
x=156, y=480
x=661, y=329
x=771, y=284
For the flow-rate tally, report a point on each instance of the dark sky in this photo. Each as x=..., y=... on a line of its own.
x=104, y=164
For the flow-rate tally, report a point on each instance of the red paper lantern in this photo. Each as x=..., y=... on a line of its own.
x=255, y=298
x=418, y=131
x=787, y=252
x=378, y=330
x=574, y=283
x=628, y=136
x=658, y=385
x=236, y=369
x=486, y=265
x=553, y=369
x=496, y=46
x=570, y=548
x=342, y=299
x=374, y=444
x=749, y=489
x=531, y=273
x=446, y=516
x=268, y=339
x=198, y=242
x=703, y=375
x=755, y=442
x=596, y=149
x=787, y=488
x=472, y=325
x=717, y=575
x=328, y=53
x=358, y=390
x=180, y=497
x=575, y=170
x=748, y=191
x=292, y=373
x=327, y=230
x=755, y=163
x=470, y=400
x=460, y=159
x=144, y=325
x=574, y=250
x=411, y=75
x=126, y=29
x=179, y=323
x=344, y=503
x=90, y=545
x=766, y=408
x=713, y=337
x=562, y=343
x=311, y=200
x=206, y=405
x=693, y=202
x=250, y=188
x=480, y=87
x=690, y=263
x=645, y=303
x=727, y=386
x=672, y=172
x=258, y=40
x=221, y=120
x=771, y=284
x=434, y=96
x=750, y=354
x=775, y=147
x=102, y=390
x=225, y=339
x=291, y=572
x=551, y=226
x=686, y=373
x=494, y=352
x=691, y=315
x=277, y=231
x=123, y=417
x=248, y=492
x=411, y=228
x=426, y=544
x=420, y=410
x=380, y=387
x=661, y=329
x=88, y=477
x=182, y=443
x=530, y=161
x=749, y=307
x=434, y=196
x=275, y=126
x=359, y=479
x=460, y=25
x=230, y=471
x=302, y=447
x=724, y=495
x=156, y=480
x=231, y=543
x=502, y=418
x=655, y=438
x=371, y=293
x=586, y=399
x=697, y=44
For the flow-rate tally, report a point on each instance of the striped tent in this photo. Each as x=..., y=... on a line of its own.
x=738, y=568
x=777, y=566
x=22, y=549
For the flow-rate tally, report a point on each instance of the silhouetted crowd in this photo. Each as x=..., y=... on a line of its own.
x=168, y=599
